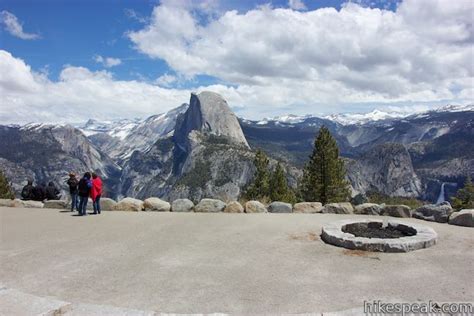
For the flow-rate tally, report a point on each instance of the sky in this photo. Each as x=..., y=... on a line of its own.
x=68, y=61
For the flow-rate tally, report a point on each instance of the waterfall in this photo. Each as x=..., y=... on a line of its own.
x=441, y=198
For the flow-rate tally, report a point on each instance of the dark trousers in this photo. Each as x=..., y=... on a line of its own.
x=96, y=205
x=74, y=202
x=83, y=205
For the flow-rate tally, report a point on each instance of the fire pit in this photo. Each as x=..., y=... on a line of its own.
x=375, y=235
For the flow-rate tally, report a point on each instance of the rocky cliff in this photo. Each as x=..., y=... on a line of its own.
x=207, y=156
x=387, y=169
x=209, y=114
x=202, y=150
x=46, y=153
x=439, y=145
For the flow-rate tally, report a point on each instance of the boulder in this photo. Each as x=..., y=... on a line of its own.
x=255, y=207
x=280, y=207
x=90, y=205
x=156, y=204
x=338, y=208
x=182, y=205
x=11, y=203
x=58, y=204
x=308, y=207
x=396, y=211
x=462, y=218
x=434, y=212
x=234, y=207
x=107, y=204
x=31, y=204
x=210, y=206
x=368, y=209
x=130, y=205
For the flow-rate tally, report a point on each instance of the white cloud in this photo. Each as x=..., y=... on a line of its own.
x=166, y=80
x=79, y=94
x=270, y=61
x=107, y=61
x=15, y=27
x=297, y=5
x=356, y=54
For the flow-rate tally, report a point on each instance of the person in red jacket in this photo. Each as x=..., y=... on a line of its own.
x=96, y=192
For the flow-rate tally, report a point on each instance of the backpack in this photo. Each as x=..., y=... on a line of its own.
x=84, y=187
x=72, y=182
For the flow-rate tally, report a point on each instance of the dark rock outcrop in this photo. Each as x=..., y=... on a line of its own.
x=396, y=211
x=280, y=207
x=368, y=209
x=462, y=218
x=434, y=212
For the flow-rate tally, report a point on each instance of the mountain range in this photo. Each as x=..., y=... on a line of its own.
x=202, y=149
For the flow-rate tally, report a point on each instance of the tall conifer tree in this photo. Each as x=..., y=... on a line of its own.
x=6, y=191
x=260, y=187
x=324, y=175
x=279, y=189
x=464, y=198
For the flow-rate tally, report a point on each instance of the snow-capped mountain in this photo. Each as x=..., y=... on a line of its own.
x=121, y=138
x=286, y=119
x=362, y=118
x=455, y=108
x=119, y=128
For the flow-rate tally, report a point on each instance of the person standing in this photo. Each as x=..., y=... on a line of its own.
x=96, y=192
x=84, y=189
x=73, y=190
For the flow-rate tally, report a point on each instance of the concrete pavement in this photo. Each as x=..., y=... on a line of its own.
x=229, y=263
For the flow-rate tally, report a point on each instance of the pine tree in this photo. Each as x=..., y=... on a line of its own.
x=279, y=190
x=6, y=191
x=324, y=175
x=260, y=187
x=464, y=198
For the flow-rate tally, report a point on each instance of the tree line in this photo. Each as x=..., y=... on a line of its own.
x=324, y=176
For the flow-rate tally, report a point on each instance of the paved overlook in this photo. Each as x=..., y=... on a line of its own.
x=208, y=263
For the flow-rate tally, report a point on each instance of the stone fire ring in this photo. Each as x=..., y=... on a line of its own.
x=425, y=237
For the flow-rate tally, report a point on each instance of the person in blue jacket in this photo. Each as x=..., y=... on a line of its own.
x=84, y=188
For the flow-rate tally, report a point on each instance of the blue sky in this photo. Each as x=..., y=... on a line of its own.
x=164, y=50
x=73, y=32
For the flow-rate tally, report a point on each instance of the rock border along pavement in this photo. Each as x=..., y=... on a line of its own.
x=443, y=210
